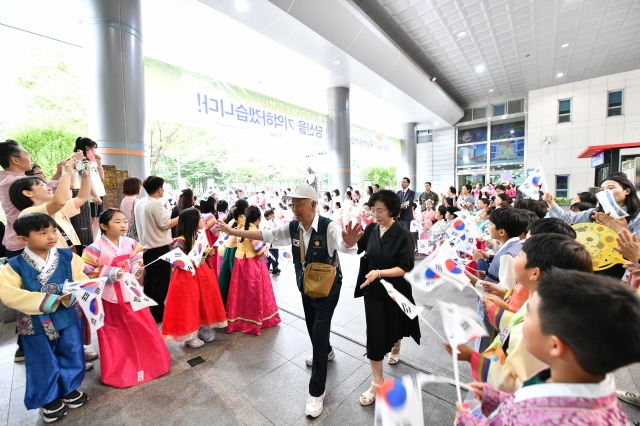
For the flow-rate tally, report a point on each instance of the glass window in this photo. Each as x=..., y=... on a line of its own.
x=615, y=103
x=514, y=107
x=562, y=186
x=507, y=174
x=499, y=109
x=513, y=129
x=473, y=134
x=505, y=152
x=479, y=113
x=564, y=111
x=468, y=115
x=474, y=154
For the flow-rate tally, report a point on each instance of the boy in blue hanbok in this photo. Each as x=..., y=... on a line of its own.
x=48, y=320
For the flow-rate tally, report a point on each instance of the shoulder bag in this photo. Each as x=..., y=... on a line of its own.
x=132, y=232
x=318, y=277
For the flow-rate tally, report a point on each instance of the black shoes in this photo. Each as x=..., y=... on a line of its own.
x=53, y=411
x=19, y=356
x=75, y=399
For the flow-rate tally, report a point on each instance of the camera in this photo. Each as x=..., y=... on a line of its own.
x=82, y=165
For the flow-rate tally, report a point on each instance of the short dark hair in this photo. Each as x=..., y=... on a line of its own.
x=539, y=207
x=442, y=210
x=131, y=186
x=513, y=221
x=270, y=212
x=453, y=190
x=408, y=180
x=547, y=249
x=337, y=191
x=428, y=183
x=152, y=184
x=587, y=197
x=581, y=206
x=376, y=185
x=552, y=225
x=207, y=205
x=32, y=172
x=18, y=199
x=83, y=143
x=452, y=210
x=390, y=200
x=600, y=343
x=23, y=225
x=468, y=186
x=8, y=149
x=501, y=187
x=106, y=216
x=504, y=197
x=485, y=201
x=324, y=207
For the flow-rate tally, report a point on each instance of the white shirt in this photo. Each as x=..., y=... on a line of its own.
x=282, y=237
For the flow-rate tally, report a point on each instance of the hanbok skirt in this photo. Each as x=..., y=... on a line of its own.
x=224, y=277
x=192, y=301
x=131, y=349
x=251, y=305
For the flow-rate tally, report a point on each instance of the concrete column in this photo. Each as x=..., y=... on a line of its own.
x=408, y=154
x=116, y=83
x=339, y=130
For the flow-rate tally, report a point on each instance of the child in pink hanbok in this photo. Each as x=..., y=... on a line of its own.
x=251, y=305
x=131, y=349
x=581, y=349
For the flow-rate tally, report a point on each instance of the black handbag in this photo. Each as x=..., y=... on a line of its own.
x=362, y=276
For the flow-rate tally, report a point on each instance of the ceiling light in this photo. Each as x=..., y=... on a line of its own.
x=559, y=75
x=462, y=33
x=435, y=123
x=433, y=80
x=565, y=45
x=490, y=90
x=336, y=62
x=479, y=68
x=242, y=5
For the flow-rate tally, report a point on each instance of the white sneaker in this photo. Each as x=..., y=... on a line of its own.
x=315, y=404
x=330, y=357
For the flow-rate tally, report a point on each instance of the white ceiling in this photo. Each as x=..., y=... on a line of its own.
x=388, y=49
x=603, y=38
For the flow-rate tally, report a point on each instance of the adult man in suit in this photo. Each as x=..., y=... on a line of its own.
x=407, y=196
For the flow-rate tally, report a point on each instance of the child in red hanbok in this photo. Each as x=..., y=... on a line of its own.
x=193, y=307
x=131, y=349
x=251, y=304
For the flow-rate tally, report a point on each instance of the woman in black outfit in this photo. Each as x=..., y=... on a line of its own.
x=390, y=254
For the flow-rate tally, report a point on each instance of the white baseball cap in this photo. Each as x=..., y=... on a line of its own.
x=304, y=191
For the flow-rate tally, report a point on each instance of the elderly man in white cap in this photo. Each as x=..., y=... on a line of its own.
x=321, y=239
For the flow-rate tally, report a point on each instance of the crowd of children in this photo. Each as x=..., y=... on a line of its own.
x=549, y=361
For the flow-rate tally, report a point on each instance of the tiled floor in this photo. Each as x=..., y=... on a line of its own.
x=263, y=380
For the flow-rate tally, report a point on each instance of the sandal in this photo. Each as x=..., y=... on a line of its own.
x=368, y=397
x=194, y=343
x=394, y=358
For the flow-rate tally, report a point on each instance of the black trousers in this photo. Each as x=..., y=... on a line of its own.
x=318, y=314
x=272, y=264
x=156, y=279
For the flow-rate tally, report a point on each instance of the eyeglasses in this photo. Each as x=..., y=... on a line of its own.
x=378, y=212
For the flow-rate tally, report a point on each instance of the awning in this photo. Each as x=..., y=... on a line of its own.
x=593, y=150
